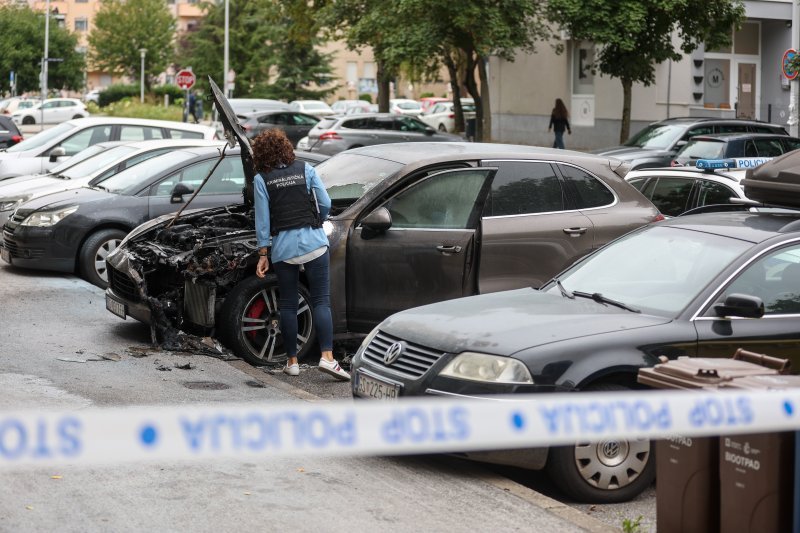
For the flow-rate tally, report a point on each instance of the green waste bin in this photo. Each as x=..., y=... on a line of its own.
x=687, y=468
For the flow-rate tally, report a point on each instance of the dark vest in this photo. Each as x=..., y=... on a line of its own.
x=291, y=205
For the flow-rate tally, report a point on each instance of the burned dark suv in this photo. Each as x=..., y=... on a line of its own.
x=411, y=224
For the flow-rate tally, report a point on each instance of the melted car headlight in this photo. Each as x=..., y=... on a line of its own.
x=488, y=368
x=8, y=204
x=49, y=218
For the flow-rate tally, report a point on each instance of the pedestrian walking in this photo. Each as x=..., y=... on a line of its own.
x=559, y=121
x=193, y=105
x=291, y=203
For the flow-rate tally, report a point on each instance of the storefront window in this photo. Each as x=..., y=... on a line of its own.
x=717, y=82
x=582, y=68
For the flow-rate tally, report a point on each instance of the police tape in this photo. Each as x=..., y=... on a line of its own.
x=410, y=426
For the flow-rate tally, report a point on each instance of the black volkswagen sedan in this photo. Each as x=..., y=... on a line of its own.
x=700, y=285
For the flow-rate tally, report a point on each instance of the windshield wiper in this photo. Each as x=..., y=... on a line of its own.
x=599, y=298
x=564, y=291
x=100, y=187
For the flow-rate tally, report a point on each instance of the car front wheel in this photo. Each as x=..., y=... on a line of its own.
x=608, y=471
x=29, y=120
x=92, y=257
x=250, y=321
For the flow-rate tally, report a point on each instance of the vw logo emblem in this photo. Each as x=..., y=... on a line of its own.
x=392, y=353
x=611, y=448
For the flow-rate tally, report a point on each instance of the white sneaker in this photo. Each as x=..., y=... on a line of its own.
x=333, y=368
x=292, y=370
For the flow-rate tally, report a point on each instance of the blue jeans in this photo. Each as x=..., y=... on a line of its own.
x=317, y=273
x=559, y=142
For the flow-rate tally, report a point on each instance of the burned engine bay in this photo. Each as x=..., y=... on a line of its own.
x=183, y=271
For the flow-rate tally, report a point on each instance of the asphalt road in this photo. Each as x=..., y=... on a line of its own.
x=54, y=330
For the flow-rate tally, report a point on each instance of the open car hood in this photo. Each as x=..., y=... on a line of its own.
x=234, y=133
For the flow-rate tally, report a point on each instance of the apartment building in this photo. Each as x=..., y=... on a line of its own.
x=743, y=80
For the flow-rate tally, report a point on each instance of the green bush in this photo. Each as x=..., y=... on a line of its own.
x=366, y=97
x=173, y=91
x=134, y=109
x=115, y=93
x=427, y=95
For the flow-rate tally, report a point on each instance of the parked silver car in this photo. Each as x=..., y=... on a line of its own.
x=332, y=135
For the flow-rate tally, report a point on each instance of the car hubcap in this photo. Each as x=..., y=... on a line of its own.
x=261, y=328
x=612, y=464
x=100, y=258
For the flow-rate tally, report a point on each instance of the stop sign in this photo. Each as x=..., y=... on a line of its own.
x=185, y=79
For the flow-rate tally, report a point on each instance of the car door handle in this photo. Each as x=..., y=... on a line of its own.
x=575, y=232
x=448, y=249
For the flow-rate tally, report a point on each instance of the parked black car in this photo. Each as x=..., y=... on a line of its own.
x=696, y=285
x=735, y=145
x=657, y=144
x=411, y=224
x=9, y=132
x=75, y=230
x=294, y=124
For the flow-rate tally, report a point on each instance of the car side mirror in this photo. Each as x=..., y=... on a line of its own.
x=680, y=144
x=741, y=305
x=376, y=223
x=57, y=152
x=429, y=131
x=178, y=191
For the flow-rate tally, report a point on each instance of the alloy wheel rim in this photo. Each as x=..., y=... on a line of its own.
x=100, y=258
x=612, y=464
x=262, y=332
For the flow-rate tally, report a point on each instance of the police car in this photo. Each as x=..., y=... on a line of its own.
x=675, y=190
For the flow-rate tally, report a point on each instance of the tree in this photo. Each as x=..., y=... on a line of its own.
x=22, y=42
x=635, y=35
x=123, y=27
x=423, y=35
x=272, y=49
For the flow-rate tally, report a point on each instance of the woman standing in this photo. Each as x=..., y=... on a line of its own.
x=559, y=121
x=291, y=203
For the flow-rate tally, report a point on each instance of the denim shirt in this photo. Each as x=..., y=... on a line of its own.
x=295, y=242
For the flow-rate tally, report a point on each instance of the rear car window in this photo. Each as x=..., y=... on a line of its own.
x=769, y=147
x=589, y=191
x=522, y=188
x=182, y=134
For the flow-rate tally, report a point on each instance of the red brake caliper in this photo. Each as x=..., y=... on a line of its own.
x=254, y=312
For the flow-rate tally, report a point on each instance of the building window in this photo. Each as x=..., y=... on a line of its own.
x=81, y=24
x=583, y=68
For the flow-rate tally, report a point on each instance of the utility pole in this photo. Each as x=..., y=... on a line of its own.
x=143, y=52
x=793, y=119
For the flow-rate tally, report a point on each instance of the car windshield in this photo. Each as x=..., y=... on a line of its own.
x=347, y=177
x=702, y=149
x=659, y=270
x=138, y=174
x=98, y=162
x=656, y=136
x=41, y=139
x=408, y=105
x=83, y=155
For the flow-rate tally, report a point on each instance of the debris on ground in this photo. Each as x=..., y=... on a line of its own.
x=184, y=366
x=162, y=367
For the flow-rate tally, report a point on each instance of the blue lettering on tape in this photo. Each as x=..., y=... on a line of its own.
x=256, y=431
x=149, y=436
x=40, y=439
x=418, y=425
x=599, y=417
x=788, y=408
x=518, y=421
x=721, y=412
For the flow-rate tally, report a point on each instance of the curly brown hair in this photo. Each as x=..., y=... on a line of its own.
x=271, y=149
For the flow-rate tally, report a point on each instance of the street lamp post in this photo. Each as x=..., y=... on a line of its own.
x=225, y=54
x=45, y=58
x=142, y=51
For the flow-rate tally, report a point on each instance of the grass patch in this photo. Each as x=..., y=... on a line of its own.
x=134, y=109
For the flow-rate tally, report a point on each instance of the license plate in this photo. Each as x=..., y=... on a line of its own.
x=118, y=308
x=5, y=254
x=369, y=387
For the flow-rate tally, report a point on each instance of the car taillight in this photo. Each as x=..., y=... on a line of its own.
x=451, y=115
x=330, y=136
x=659, y=217
x=16, y=138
